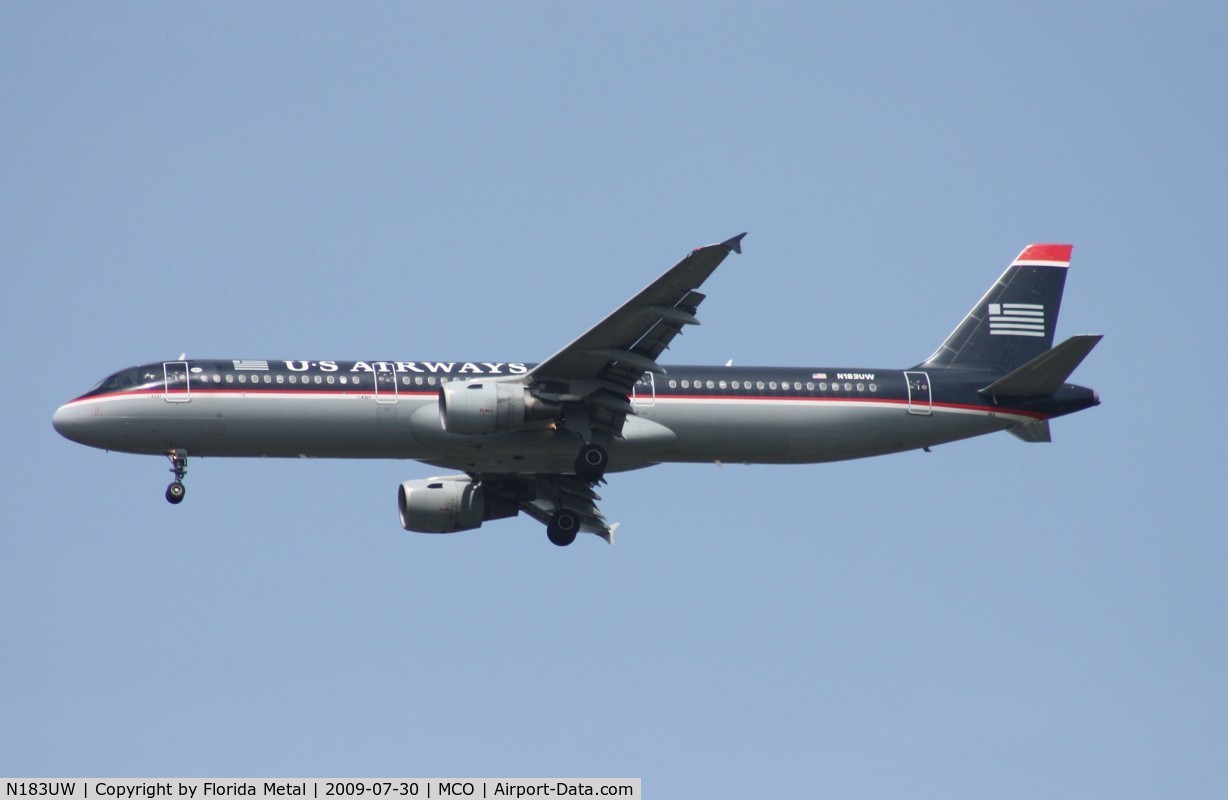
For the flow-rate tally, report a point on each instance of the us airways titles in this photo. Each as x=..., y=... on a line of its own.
x=424, y=367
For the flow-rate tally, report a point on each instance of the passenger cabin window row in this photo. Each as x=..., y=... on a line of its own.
x=686, y=385
x=681, y=385
x=811, y=387
x=319, y=380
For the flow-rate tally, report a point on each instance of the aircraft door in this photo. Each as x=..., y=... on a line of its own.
x=644, y=392
x=175, y=379
x=920, y=401
x=386, y=389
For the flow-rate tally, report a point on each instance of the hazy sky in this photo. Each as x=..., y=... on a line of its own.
x=485, y=181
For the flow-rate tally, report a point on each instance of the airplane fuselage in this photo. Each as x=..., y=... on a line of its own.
x=390, y=409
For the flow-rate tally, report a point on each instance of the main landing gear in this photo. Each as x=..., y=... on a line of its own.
x=590, y=466
x=179, y=466
x=592, y=462
x=563, y=527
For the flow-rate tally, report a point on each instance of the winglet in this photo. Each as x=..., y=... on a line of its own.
x=734, y=244
x=607, y=533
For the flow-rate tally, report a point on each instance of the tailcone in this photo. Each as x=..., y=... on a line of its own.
x=1066, y=400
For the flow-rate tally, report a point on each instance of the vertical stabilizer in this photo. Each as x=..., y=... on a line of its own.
x=1014, y=322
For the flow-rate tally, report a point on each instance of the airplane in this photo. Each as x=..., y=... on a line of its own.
x=539, y=438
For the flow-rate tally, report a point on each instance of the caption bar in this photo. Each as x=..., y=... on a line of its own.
x=262, y=789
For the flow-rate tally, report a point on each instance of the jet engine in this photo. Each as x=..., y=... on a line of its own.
x=449, y=504
x=480, y=407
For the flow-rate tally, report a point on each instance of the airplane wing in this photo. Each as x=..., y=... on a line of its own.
x=599, y=369
x=593, y=378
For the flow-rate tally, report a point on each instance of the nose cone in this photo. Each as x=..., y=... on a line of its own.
x=67, y=422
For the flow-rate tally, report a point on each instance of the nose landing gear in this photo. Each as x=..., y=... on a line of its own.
x=179, y=466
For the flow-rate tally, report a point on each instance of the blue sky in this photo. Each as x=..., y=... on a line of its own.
x=485, y=181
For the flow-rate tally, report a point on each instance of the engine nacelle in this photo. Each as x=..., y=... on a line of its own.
x=449, y=504
x=483, y=407
x=441, y=505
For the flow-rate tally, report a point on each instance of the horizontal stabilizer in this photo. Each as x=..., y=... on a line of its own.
x=1033, y=432
x=1045, y=374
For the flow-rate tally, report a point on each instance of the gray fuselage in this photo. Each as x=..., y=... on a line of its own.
x=388, y=409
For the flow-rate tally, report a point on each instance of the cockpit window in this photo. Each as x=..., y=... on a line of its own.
x=120, y=381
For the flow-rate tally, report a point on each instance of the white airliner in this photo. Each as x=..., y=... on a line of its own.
x=539, y=437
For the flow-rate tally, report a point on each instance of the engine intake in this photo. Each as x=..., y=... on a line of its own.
x=449, y=504
x=480, y=407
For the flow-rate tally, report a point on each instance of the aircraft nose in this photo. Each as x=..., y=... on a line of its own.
x=66, y=421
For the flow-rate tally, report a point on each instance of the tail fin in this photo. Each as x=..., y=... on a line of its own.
x=1014, y=322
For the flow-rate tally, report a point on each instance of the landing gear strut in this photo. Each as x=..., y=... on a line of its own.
x=179, y=466
x=592, y=462
x=563, y=527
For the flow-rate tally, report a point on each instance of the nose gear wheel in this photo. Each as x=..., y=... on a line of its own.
x=179, y=467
